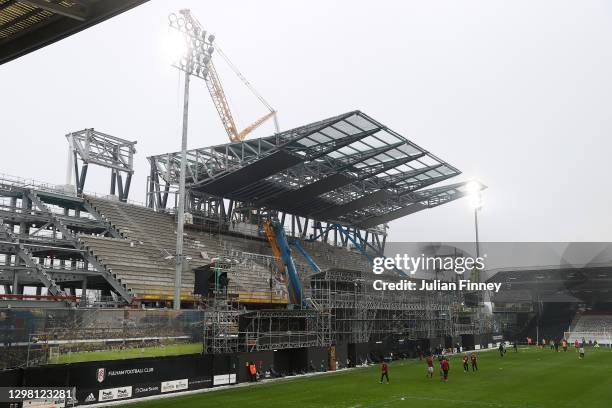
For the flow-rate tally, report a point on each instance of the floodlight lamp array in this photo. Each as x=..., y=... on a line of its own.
x=198, y=46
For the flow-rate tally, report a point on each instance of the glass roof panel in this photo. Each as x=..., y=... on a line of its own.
x=307, y=142
x=335, y=154
x=409, y=150
x=387, y=137
x=346, y=128
x=360, y=146
x=433, y=173
x=320, y=138
x=373, y=141
x=361, y=122
x=346, y=150
x=333, y=133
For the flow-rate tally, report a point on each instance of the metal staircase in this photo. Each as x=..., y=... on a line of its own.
x=111, y=278
x=114, y=232
x=26, y=256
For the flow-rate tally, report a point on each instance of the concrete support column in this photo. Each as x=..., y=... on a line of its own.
x=38, y=290
x=26, y=205
x=16, y=288
x=13, y=208
x=7, y=289
x=84, y=291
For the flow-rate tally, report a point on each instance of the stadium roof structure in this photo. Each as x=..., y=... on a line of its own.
x=348, y=169
x=589, y=282
x=27, y=25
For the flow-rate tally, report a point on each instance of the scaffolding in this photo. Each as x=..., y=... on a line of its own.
x=361, y=314
x=343, y=307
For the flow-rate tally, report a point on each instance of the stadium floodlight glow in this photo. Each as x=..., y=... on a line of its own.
x=473, y=186
x=190, y=46
x=195, y=49
x=473, y=189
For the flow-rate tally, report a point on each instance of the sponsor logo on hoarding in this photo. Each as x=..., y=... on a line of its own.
x=110, y=394
x=175, y=385
x=146, y=389
x=131, y=371
x=100, y=374
x=106, y=395
x=199, y=382
x=224, y=379
x=90, y=397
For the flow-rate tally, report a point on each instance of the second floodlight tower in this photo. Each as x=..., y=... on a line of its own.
x=197, y=50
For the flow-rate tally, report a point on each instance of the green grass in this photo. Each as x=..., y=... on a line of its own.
x=170, y=350
x=528, y=379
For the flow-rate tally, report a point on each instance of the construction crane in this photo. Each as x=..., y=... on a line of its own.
x=213, y=83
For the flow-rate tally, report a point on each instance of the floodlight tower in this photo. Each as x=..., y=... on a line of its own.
x=197, y=49
x=474, y=189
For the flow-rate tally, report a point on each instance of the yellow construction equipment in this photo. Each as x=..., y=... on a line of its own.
x=273, y=243
x=220, y=100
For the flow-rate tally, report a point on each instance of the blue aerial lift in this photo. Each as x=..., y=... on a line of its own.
x=282, y=250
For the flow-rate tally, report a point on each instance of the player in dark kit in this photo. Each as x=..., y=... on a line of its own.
x=474, y=362
x=445, y=367
x=429, y=361
x=466, y=367
x=384, y=368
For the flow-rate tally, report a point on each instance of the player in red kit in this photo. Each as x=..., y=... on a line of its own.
x=384, y=372
x=429, y=361
x=466, y=366
x=445, y=367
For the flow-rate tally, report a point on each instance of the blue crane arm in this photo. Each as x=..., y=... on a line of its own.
x=296, y=292
x=306, y=255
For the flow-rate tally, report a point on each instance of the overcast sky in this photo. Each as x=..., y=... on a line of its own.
x=514, y=93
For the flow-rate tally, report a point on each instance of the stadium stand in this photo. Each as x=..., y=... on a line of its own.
x=144, y=261
x=589, y=322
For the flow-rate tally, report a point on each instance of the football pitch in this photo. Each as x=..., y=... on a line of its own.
x=530, y=378
x=159, y=351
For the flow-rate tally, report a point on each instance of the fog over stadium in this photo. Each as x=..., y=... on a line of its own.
x=512, y=93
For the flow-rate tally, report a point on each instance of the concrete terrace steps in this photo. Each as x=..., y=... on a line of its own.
x=139, y=260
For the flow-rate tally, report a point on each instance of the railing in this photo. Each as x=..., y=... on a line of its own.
x=67, y=190
x=33, y=184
